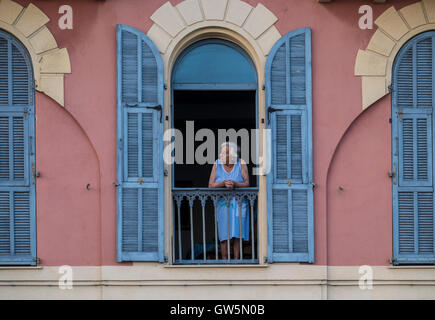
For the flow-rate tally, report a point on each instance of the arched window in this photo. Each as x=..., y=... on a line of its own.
x=17, y=156
x=412, y=146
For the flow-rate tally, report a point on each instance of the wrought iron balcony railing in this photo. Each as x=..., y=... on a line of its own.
x=195, y=222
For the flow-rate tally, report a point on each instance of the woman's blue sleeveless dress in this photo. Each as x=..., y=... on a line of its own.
x=235, y=175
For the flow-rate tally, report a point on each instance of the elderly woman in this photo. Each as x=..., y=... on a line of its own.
x=230, y=172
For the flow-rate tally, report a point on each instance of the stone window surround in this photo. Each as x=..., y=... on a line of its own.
x=49, y=62
x=252, y=28
x=374, y=64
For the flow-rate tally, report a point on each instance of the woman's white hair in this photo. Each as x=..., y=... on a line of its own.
x=232, y=148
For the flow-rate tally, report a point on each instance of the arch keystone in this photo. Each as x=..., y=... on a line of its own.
x=214, y=9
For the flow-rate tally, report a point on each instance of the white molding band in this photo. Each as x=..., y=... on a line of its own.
x=50, y=63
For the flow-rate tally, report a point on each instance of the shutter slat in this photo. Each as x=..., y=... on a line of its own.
x=20, y=78
x=22, y=220
x=280, y=222
x=4, y=72
x=5, y=243
x=424, y=73
x=425, y=222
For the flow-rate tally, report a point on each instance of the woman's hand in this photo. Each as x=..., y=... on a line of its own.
x=229, y=184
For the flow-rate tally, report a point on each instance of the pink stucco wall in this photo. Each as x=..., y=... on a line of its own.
x=76, y=145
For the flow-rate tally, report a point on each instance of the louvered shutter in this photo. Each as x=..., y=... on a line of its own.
x=413, y=210
x=17, y=188
x=140, y=148
x=290, y=188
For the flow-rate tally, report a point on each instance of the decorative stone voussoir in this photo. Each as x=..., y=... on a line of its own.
x=375, y=63
x=237, y=12
x=392, y=23
x=31, y=20
x=9, y=11
x=190, y=11
x=172, y=22
x=413, y=15
x=259, y=21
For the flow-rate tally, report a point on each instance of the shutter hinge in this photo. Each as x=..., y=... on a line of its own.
x=158, y=108
x=165, y=172
x=270, y=110
x=393, y=260
x=116, y=184
x=313, y=184
x=165, y=86
x=35, y=173
x=390, y=88
x=265, y=260
x=263, y=87
x=37, y=260
x=165, y=258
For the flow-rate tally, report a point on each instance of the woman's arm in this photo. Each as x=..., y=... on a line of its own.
x=212, y=181
x=245, y=176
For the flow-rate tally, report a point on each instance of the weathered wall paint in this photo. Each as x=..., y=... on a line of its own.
x=77, y=146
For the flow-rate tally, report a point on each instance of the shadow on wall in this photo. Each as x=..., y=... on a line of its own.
x=359, y=191
x=68, y=209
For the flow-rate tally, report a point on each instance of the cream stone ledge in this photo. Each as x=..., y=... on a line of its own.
x=395, y=28
x=190, y=15
x=50, y=63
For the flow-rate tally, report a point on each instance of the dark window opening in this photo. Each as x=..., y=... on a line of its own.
x=195, y=233
x=213, y=110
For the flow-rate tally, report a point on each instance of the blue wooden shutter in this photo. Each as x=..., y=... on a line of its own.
x=290, y=188
x=140, y=148
x=413, y=196
x=17, y=184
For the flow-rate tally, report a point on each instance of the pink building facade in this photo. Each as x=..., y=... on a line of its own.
x=356, y=174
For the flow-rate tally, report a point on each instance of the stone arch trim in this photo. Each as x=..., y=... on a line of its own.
x=257, y=24
x=50, y=63
x=374, y=64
